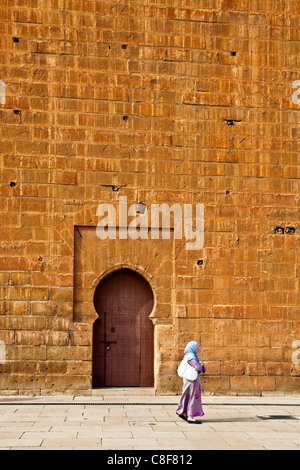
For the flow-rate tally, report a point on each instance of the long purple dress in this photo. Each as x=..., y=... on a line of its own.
x=190, y=404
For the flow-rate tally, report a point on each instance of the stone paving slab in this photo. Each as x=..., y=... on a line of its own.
x=148, y=423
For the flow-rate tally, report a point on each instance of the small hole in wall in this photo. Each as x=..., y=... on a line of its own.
x=125, y=118
x=233, y=53
x=17, y=111
x=124, y=46
x=200, y=262
x=290, y=230
x=16, y=39
x=12, y=184
x=141, y=208
x=279, y=230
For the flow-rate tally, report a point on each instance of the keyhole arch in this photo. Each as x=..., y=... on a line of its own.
x=123, y=333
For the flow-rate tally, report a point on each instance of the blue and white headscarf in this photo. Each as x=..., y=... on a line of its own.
x=190, y=351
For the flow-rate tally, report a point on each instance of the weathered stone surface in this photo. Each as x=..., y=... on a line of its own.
x=164, y=104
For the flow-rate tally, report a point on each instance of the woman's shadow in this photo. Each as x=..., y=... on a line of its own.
x=231, y=420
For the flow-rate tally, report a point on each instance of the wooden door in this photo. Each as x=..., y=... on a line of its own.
x=123, y=349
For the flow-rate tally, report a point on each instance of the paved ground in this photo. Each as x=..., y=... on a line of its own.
x=148, y=422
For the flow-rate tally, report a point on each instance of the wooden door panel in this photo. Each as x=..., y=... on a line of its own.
x=123, y=335
x=122, y=359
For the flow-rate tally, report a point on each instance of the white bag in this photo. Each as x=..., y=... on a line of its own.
x=186, y=371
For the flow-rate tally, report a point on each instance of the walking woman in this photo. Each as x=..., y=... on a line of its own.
x=190, y=404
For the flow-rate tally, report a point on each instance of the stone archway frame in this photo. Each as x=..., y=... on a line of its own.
x=166, y=253
x=153, y=259
x=94, y=259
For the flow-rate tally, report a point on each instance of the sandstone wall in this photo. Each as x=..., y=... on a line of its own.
x=169, y=101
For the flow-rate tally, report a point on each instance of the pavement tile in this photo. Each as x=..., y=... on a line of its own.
x=70, y=443
x=11, y=434
x=229, y=423
x=35, y=442
x=50, y=435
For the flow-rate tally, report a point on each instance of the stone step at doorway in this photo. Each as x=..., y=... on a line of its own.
x=123, y=392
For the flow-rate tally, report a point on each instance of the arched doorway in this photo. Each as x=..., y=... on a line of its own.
x=123, y=344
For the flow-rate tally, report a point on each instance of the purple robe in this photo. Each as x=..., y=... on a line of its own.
x=190, y=403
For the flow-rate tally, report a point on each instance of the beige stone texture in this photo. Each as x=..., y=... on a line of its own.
x=165, y=103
